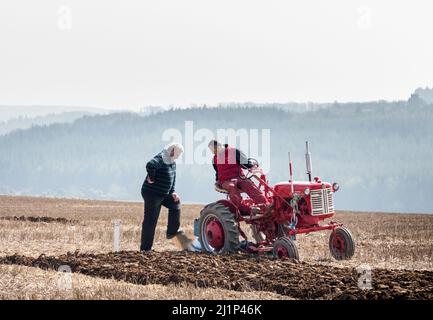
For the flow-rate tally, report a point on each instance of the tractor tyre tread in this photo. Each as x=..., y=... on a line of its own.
x=289, y=244
x=228, y=221
x=349, y=243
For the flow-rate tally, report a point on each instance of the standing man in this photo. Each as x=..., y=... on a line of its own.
x=159, y=190
x=228, y=163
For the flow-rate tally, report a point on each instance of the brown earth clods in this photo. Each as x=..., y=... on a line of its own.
x=240, y=272
x=39, y=219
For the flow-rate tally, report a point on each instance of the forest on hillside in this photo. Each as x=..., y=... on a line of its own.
x=380, y=152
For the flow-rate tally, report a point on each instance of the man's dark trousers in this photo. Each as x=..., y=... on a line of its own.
x=152, y=208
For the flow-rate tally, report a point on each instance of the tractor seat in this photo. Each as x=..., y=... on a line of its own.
x=221, y=190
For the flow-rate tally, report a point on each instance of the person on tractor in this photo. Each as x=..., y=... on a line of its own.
x=228, y=163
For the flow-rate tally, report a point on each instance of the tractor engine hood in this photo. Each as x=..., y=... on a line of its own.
x=284, y=188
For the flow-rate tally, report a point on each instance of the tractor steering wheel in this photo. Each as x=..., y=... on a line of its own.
x=255, y=164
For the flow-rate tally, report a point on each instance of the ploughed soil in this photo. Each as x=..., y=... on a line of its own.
x=240, y=272
x=38, y=219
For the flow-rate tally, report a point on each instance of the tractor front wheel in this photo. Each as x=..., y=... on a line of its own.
x=218, y=230
x=285, y=247
x=341, y=244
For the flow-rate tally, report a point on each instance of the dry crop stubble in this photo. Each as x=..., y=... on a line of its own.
x=382, y=239
x=27, y=283
x=389, y=241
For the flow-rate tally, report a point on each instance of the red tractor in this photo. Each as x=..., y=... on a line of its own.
x=298, y=207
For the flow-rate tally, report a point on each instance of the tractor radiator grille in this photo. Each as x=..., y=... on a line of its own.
x=322, y=201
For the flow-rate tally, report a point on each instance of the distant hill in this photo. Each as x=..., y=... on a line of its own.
x=27, y=122
x=14, y=112
x=26, y=117
x=380, y=152
x=426, y=94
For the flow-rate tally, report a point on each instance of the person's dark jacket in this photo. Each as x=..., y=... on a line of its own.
x=162, y=173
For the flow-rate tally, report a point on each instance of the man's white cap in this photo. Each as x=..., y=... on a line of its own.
x=174, y=146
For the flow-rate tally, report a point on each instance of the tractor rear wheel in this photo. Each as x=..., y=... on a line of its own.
x=285, y=247
x=218, y=230
x=341, y=244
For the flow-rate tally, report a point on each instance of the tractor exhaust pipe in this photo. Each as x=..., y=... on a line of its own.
x=308, y=161
x=291, y=174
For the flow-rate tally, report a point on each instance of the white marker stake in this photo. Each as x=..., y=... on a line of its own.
x=116, y=235
x=64, y=282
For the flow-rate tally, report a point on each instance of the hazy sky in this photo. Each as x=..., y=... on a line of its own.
x=126, y=53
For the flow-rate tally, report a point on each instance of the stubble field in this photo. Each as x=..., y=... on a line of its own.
x=36, y=235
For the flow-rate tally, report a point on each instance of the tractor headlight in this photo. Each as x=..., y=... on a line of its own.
x=335, y=186
x=307, y=191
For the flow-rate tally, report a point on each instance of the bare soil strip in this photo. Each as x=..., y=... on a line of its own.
x=39, y=219
x=240, y=272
